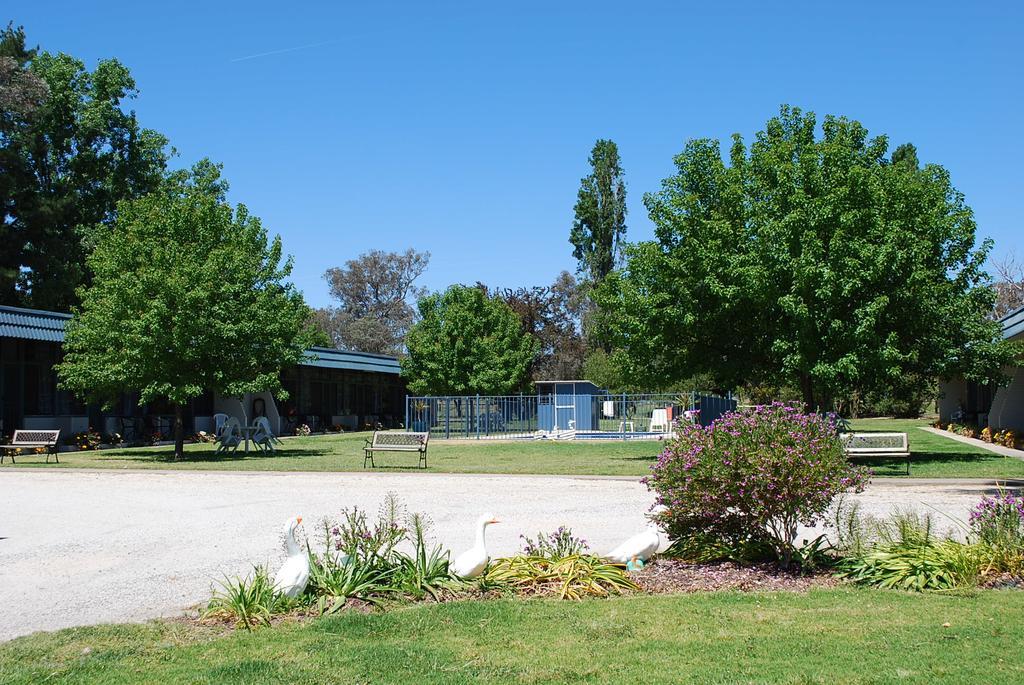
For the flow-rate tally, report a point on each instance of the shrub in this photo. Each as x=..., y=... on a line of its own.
x=355, y=537
x=700, y=548
x=334, y=579
x=752, y=477
x=906, y=554
x=998, y=524
x=425, y=571
x=362, y=559
x=562, y=543
x=986, y=434
x=86, y=440
x=303, y=430
x=248, y=602
x=1006, y=438
x=965, y=429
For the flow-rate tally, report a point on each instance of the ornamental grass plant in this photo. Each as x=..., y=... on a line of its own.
x=575, y=576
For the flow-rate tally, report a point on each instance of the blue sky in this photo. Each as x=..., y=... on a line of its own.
x=464, y=128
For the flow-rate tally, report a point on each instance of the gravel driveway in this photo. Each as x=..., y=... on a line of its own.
x=86, y=547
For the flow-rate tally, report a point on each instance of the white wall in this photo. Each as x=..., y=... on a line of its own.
x=67, y=425
x=241, y=408
x=1008, y=404
x=951, y=396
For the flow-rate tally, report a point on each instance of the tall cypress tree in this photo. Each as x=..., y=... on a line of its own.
x=600, y=223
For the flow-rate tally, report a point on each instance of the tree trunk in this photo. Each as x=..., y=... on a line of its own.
x=807, y=390
x=179, y=433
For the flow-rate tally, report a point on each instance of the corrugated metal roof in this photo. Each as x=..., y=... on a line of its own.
x=34, y=324
x=1013, y=323
x=326, y=358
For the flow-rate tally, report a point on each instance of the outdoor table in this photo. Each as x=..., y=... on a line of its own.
x=247, y=432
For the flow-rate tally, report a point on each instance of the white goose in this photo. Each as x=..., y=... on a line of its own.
x=641, y=546
x=293, y=575
x=473, y=561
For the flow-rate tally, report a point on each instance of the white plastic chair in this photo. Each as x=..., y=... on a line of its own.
x=218, y=423
x=659, y=421
x=230, y=436
x=263, y=437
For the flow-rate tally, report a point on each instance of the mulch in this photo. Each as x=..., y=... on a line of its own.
x=671, y=575
x=1003, y=581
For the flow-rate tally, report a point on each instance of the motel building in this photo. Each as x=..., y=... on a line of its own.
x=331, y=389
x=1000, y=408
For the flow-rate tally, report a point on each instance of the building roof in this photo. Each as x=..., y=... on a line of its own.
x=32, y=324
x=35, y=324
x=1013, y=324
x=569, y=381
x=326, y=358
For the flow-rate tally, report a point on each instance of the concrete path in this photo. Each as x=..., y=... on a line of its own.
x=86, y=547
x=998, y=449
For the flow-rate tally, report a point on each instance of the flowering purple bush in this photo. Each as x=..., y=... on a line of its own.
x=752, y=477
x=558, y=545
x=999, y=520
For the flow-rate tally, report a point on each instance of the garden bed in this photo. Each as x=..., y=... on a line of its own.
x=665, y=575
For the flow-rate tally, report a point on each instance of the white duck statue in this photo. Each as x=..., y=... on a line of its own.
x=641, y=546
x=473, y=561
x=293, y=575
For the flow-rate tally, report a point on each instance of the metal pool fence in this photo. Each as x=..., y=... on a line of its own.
x=622, y=416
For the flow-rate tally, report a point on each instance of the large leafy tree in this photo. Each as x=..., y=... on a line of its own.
x=373, y=293
x=808, y=259
x=69, y=152
x=467, y=343
x=600, y=223
x=188, y=295
x=553, y=315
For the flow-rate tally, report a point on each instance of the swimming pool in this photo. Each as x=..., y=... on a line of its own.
x=611, y=435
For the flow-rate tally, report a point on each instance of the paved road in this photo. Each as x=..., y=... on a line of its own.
x=85, y=547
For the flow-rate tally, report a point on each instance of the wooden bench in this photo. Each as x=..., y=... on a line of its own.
x=393, y=441
x=862, y=446
x=27, y=439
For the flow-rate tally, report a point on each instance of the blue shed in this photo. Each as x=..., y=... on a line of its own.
x=562, y=405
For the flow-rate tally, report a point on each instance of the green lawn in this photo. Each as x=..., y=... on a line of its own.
x=344, y=452
x=934, y=456
x=835, y=636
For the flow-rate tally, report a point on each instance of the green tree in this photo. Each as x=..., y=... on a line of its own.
x=373, y=292
x=553, y=316
x=807, y=260
x=188, y=295
x=69, y=152
x=600, y=223
x=467, y=343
